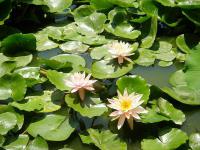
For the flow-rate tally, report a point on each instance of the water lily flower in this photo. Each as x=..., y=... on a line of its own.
x=120, y=50
x=79, y=82
x=127, y=107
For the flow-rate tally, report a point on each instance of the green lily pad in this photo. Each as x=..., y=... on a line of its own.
x=18, y=44
x=19, y=117
x=12, y=86
x=38, y=143
x=134, y=84
x=90, y=107
x=186, y=88
x=6, y=7
x=146, y=57
x=83, y=11
x=54, y=6
x=53, y=126
x=6, y=67
x=7, y=122
x=104, y=140
x=43, y=42
x=119, y=25
x=40, y=103
x=74, y=47
x=20, y=61
x=167, y=140
x=19, y=143
x=109, y=69
x=181, y=43
x=194, y=141
x=2, y=140
x=58, y=79
x=101, y=5
x=122, y=3
x=162, y=110
x=91, y=25
x=148, y=41
x=75, y=60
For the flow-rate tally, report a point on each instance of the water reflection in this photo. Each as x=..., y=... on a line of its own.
x=155, y=75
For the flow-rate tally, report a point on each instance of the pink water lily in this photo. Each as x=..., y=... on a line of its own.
x=127, y=106
x=79, y=82
x=120, y=50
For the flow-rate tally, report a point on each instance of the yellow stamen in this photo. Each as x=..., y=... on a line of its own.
x=126, y=105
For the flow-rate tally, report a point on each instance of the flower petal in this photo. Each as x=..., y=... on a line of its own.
x=121, y=121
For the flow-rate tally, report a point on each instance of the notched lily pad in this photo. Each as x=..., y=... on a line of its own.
x=109, y=69
x=134, y=84
x=90, y=107
x=103, y=140
x=56, y=126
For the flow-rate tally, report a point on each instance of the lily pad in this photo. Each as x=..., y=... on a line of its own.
x=12, y=86
x=58, y=79
x=104, y=140
x=53, y=126
x=16, y=44
x=40, y=103
x=162, y=110
x=7, y=122
x=186, y=88
x=19, y=143
x=194, y=141
x=110, y=69
x=167, y=140
x=74, y=47
x=134, y=84
x=90, y=107
x=38, y=143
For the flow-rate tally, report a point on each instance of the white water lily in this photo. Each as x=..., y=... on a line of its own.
x=120, y=50
x=79, y=83
x=127, y=107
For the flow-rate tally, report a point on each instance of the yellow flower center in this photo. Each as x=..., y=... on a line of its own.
x=126, y=105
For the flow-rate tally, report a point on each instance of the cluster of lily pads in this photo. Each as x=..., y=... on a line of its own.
x=68, y=80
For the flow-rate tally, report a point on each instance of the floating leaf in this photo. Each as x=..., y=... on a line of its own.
x=91, y=25
x=101, y=5
x=148, y=41
x=186, y=88
x=74, y=47
x=18, y=44
x=109, y=69
x=31, y=74
x=104, y=140
x=194, y=141
x=167, y=140
x=12, y=86
x=19, y=117
x=146, y=57
x=162, y=110
x=7, y=122
x=134, y=84
x=38, y=144
x=19, y=143
x=54, y=6
x=53, y=126
x=41, y=103
x=90, y=107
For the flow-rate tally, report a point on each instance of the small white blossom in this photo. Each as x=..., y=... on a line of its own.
x=79, y=82
x=120, y=50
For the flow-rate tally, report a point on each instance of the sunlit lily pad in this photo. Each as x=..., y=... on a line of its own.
x=110, y=69
x=53, y=127
x=103, y=140
x=90, y=107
